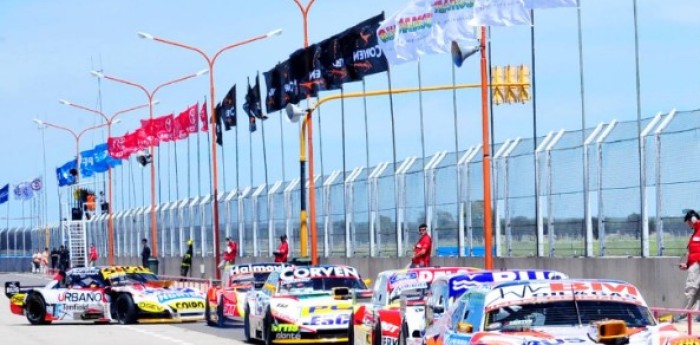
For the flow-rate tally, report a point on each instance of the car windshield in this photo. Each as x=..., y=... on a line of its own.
x=565, y=313
x=301, y=286
x=413, y=292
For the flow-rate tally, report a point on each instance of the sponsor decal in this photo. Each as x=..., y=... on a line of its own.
x=329, y=320
x=684, y=341
x=390, y=341
x=247, y=269
x=292, y=273
x=556, y=341
x=285, y=327
x=175, y=295
x=459, y=284
x=80, y=297
x=397, y=277
x=444, y=6
x=187, y=305
x=596, y=288
x=324, y=309
x=285, y=335
x=150, y=307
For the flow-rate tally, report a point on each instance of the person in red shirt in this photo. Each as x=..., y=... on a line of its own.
x=282, y=250
x=93, y=255
x=231, y=251
x=422, y=249
x=692, y=263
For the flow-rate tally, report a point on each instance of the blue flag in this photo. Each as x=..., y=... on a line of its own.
x=65, y=178
x=5, y=194
x=102, y=161
x=87, y=162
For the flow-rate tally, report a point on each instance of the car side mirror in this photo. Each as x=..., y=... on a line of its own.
x=438, y=309
x=464, y=328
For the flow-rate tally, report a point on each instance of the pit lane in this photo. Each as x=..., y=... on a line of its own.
x=17, y=330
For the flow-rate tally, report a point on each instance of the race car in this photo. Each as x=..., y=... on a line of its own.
x=304, y=304
x=564, y=312
x=223, y=301
x=127, y=294
x=380, y=322
x=447, y=289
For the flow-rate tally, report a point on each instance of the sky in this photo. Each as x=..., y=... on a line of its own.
x=48, y=47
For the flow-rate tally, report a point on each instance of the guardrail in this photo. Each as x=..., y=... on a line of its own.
x=689, y=314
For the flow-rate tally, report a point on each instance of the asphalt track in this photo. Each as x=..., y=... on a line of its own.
x=16, y=330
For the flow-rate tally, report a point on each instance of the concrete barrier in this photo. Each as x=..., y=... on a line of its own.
x=658, y=278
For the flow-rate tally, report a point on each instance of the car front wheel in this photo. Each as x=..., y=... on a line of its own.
x=246, y=325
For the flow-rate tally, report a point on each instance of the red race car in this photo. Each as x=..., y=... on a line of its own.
x=225, y=303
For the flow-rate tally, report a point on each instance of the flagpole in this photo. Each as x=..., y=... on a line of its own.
x=534, y=120
x=583, y=119
x=644, y=226
x=422, y=146
x=211, y=190
x=399, y=227
x=250, y=151
x=320, y=141
x=262, y=126
x=223, y=162
x=168, y=175
x=284, y=177
x=189, y=160
x=364, y=102
x=177, y=179
x=342, y=136
x=199, y=166
x=460, y=234
x=238, y=181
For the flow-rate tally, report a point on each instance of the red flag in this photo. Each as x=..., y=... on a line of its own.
x=160, y=128
x=116, y=148
x=204, y=118
x=140, y=140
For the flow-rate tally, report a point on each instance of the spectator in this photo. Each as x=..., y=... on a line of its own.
x=422, y=249
x=44, y=260
x=230, y=253
x=93, y=256
x=187, y=260
x=692, y=263
x=63, y=258
x=282, y=250
x=36, y=261
x=54, y=258
x=145, y=253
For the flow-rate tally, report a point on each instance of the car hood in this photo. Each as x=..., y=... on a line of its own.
x=317, y=311
x=577, y=335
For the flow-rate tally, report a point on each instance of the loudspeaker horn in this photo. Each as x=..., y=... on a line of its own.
x=294, y=113
x=461, y=53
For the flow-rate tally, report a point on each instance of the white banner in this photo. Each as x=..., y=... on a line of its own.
x=500, y=13
x=425, y=27
x=535, y=4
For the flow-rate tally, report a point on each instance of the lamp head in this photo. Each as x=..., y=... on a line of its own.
x=274, y=33
x=38, y=122
x=116, y=121
x=155, y=102
x=145, y=35
x=294, y=113
x=201, y=73
x=97, y=74
x=63, y=101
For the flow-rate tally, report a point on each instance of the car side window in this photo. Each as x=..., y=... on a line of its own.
x=474, y=312
x=458, y=312
x=436, y=294
x=271, y=284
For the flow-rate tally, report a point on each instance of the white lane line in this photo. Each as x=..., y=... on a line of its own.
x=157, y=335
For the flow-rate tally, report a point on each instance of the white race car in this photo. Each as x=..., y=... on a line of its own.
x=127, y=294
x=304, y=304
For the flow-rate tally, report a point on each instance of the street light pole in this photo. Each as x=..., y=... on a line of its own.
x=212, y=106
x=150, y=95
x=307, y=133
x=109, y=121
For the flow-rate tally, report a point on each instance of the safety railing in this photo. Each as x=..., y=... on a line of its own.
x=672, y=313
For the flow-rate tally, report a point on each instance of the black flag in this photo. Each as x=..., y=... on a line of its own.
x=363, y=55
x=333, y=62
x=228, y=109
x=252, y=105
x=219, y=133
x=307, y=71
x=274, y=100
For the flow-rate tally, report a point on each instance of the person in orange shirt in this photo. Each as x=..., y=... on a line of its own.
x=282, y=250
x=422, y=249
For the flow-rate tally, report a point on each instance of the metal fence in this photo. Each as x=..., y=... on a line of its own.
x=589, y=202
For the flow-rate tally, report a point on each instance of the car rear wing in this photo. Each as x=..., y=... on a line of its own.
x=13, y=287
x=412, y=297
